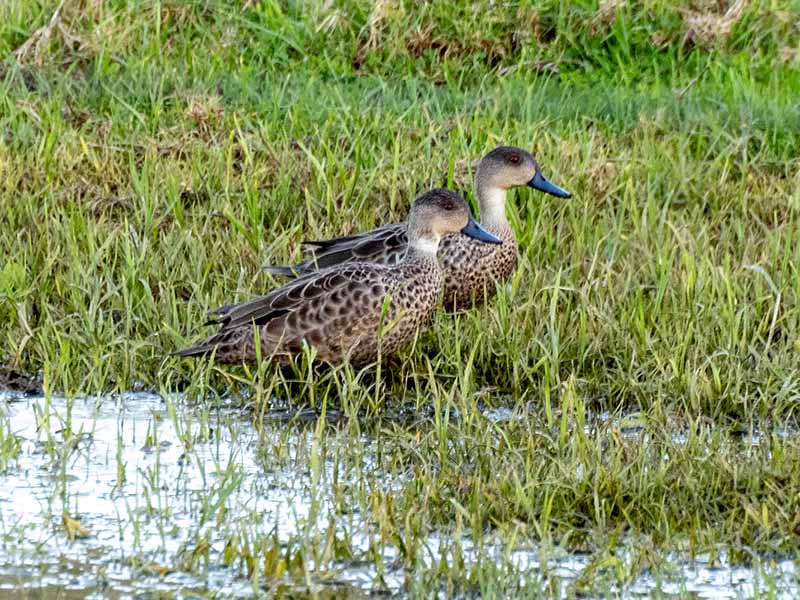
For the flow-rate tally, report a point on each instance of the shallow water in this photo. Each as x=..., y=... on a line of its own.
x=147, y=481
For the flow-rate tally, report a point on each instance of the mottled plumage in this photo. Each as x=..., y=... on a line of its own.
x=341, y=310
x=471, y=269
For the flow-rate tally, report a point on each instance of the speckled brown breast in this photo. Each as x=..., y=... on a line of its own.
x=473, y=269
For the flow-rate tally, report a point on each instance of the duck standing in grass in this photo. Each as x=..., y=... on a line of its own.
x=471, y=269
x=355, y=311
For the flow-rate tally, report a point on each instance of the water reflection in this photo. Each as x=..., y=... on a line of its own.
x=141, y=479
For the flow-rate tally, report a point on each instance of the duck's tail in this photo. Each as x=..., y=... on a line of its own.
x=284, y=270
x=201, y=349
x=226, y=346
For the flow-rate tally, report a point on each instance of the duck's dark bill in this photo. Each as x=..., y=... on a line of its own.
x=474, y=230
x=539, y=182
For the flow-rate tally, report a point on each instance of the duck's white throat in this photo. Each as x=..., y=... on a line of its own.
x=493, y=206
x=425, y=246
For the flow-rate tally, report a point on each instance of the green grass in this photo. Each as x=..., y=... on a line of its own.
x=153, y=157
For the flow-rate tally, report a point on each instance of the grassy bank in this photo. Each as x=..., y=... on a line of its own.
x=153, y=157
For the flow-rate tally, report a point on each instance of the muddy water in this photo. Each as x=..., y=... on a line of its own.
x=142, y=479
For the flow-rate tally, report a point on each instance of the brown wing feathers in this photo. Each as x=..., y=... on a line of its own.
x=385, y=245
x=279, y=311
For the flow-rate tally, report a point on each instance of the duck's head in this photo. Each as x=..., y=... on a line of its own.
x=506, y=167
x=437, y=213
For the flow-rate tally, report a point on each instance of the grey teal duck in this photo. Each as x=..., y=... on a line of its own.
x=354, y=311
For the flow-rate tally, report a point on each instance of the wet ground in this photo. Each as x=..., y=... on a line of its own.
x=110, y=497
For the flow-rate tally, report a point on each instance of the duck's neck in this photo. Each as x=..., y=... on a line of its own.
x=491, y=203
x=422, y=247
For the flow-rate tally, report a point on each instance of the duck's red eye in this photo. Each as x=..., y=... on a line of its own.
x=514, y=159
